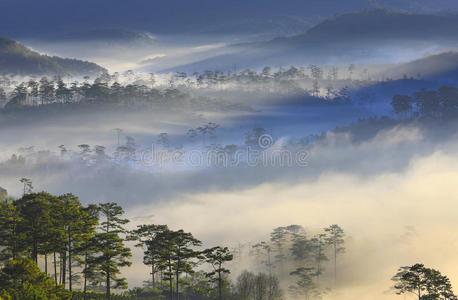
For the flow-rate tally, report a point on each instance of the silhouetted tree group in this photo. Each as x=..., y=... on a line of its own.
x=425, y=283
x=292, y=252
x=442, y=103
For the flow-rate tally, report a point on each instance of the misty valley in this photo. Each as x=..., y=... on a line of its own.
x=228, y=150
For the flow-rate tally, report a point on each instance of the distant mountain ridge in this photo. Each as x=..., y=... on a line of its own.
x=16, y=59
x=436, y=67
x=377, y=25
x=344, y=36
x=180, y=16
x=107, y=35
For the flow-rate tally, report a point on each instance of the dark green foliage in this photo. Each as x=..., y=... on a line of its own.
x=172, y=253
x=72, y=225
x=22, y=279
x=148, y=237
x=113, y=254
x=12, y=239
x=40, y=224
x=217, y=257
x=177, y=255
x=87, y=245
x=35, y=210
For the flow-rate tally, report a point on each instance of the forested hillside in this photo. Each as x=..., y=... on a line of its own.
x=17, y=59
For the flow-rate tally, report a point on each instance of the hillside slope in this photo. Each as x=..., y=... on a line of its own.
x=376, y=26
x=367, y=37
x=107, y=35
x=440, y=66
x=17, y=59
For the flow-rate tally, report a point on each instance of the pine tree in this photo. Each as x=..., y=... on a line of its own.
x=304, y=284
x=113, y=253
x=424, y=283
x=148, y=237
x=182, y=253
x=36, y=220
x=11, y=239
x=56, y=242
x=335, y=238
x=86, y=246
x=216, y=257
x=319, y=245
x=72, y=222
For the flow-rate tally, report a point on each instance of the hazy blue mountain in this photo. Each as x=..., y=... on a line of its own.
x=108, y=35
x=430, y=72
x=377, y=25
x=263, y=27
x=443, y=66
x=20, y=60
x=27, y=18
x=346, y=38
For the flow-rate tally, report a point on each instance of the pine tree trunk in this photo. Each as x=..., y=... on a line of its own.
x=108, y=286
x=177, y=275
x=318, y=274
x=35, y=251
x=46, y=264
x=69, y=261
x=55, y=268
x=171, y=280
x=335, y=263
x=85, y=287
x=220, y=285
x=60, y=268
x=85, y=276
x=152, y=275
x=64, y=268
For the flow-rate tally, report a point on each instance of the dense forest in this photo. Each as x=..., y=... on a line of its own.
x=208, y=90
x=313, y=83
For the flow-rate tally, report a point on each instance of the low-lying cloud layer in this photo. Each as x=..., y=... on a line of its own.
x=392, y=219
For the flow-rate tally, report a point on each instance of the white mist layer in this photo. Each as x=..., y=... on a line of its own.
x=392, y=219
